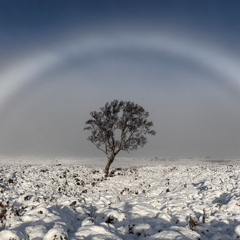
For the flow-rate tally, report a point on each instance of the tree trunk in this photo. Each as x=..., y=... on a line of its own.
x=110, y=161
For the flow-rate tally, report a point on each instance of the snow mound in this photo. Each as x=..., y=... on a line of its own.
x=71, y=202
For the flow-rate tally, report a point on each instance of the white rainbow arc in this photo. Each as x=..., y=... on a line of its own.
x=20, y=74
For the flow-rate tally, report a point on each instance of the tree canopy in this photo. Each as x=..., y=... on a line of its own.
x=119, y=126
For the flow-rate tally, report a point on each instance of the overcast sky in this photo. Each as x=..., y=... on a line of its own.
x=60, y=60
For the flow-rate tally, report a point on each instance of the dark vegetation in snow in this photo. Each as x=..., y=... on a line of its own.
x=74, y=202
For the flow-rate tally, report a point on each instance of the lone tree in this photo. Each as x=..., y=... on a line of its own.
x=119, y=126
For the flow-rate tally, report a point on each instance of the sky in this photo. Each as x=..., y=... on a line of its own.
x=60, y=60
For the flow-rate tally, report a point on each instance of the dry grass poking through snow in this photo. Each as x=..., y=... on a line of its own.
x=164, y=202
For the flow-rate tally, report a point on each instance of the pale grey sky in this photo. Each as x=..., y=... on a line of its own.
x=59, y=62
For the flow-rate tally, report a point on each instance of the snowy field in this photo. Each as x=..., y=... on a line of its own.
x=58, y=199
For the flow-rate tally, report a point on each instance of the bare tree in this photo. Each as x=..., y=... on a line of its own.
x=119, y=126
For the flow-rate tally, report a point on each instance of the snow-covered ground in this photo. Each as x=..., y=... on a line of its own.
x=57, y=199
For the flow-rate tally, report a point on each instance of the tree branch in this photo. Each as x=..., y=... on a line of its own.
x=100, y=148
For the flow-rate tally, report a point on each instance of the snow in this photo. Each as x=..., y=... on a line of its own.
x=57, y=199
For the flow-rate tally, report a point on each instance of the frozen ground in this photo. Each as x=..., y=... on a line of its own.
x=57, y=199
